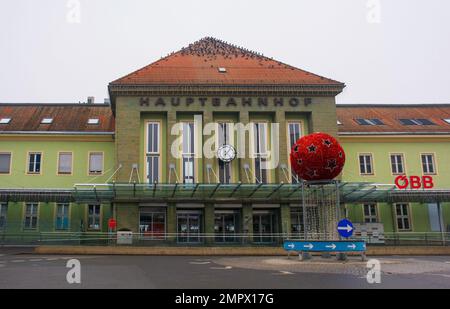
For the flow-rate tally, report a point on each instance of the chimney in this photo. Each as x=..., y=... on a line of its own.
x=90, y=100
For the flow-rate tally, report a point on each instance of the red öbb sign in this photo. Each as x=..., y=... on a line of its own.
x=414, y=182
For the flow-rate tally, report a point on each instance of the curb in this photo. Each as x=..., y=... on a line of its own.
x=223, y=251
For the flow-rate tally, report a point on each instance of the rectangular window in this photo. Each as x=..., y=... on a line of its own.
x=65, y=163
x=3, y=215
x=94, y=217
x=152, y=224
x=428, y=164
x=95, y=163
x=402, y=216
x=31, y=216
x=5, y=163
x=34, y=162
x=62, y=216
x=370, y=213
x=365, y=164
x=153, y=152
x=260, y=151
x=224, y=138
x=295, y=132
x=188, y=152
x=397, y=164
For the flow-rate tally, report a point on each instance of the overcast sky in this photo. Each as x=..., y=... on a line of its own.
x=386, y=51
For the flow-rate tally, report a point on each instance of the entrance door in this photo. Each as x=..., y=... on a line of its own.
x=225, y=226
x=189, y=227
x=263, y=226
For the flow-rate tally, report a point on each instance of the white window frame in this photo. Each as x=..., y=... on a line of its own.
x=34, y=213
x=188, y=152
x=395, y=163
x=402, y=216
x=65, y=214
x=297, y=135
x=92, y=217
x=10, y=161
x=260, y=149
x=90, y=170
x=366, y=163
x=224, y=137
x=153, y=152
x=33, y=162
x=426, y=164
x=59, y=163
x=372, y=208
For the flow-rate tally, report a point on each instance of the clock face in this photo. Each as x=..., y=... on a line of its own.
x=226, y=153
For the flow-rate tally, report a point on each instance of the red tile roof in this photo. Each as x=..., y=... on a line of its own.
x=66, y=117
x=199, y=63
x=390, y=115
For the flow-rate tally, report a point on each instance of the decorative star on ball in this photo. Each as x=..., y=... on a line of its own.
x=317, y=156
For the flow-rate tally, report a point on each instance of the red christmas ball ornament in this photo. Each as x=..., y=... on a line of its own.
x=317, y=156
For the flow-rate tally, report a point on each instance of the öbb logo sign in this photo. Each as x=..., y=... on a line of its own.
x=414, y=182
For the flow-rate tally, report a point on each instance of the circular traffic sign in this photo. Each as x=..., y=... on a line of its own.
x=345, y=228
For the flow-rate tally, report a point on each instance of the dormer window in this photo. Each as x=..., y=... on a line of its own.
x=47, y=120
x=93, y=121
x=5, y=120
x=369, y=122
x=222, y=70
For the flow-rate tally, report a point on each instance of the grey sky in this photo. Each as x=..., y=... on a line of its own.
x=405, y=58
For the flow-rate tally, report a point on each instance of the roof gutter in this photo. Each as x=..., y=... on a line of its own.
x=393, y=133
x=56, y=133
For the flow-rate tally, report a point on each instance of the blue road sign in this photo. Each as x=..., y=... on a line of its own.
x=325, y=246
x=345, y=228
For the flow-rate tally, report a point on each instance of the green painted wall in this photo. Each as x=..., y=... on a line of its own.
x=411, y=148
x=49, y=177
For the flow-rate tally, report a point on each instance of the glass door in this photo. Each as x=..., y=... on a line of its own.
x=263, y=227
x=225, y=226
x=189, y=227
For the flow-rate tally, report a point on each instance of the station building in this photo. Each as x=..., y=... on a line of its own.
x=143, y=158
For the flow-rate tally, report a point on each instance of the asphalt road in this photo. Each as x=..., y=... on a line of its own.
x=19, y=268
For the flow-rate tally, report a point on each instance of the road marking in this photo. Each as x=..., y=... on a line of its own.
x=283, y=272
x=219, y=268
x=35, y=260
x=199, y=263
x=442, y=275
x=52, y=259
x=18, y=261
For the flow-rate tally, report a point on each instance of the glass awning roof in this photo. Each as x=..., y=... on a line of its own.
x=349, y=192
x=355, y=192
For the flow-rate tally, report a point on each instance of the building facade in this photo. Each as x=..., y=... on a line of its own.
x=151, y=158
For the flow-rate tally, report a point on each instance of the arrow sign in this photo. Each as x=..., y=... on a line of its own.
x=345, y=228
x=325, y=246
x=309, y=246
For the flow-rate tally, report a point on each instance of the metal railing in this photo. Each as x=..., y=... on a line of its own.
x=232, y=239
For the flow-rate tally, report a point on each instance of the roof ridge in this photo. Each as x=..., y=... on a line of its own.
x=210, y=48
